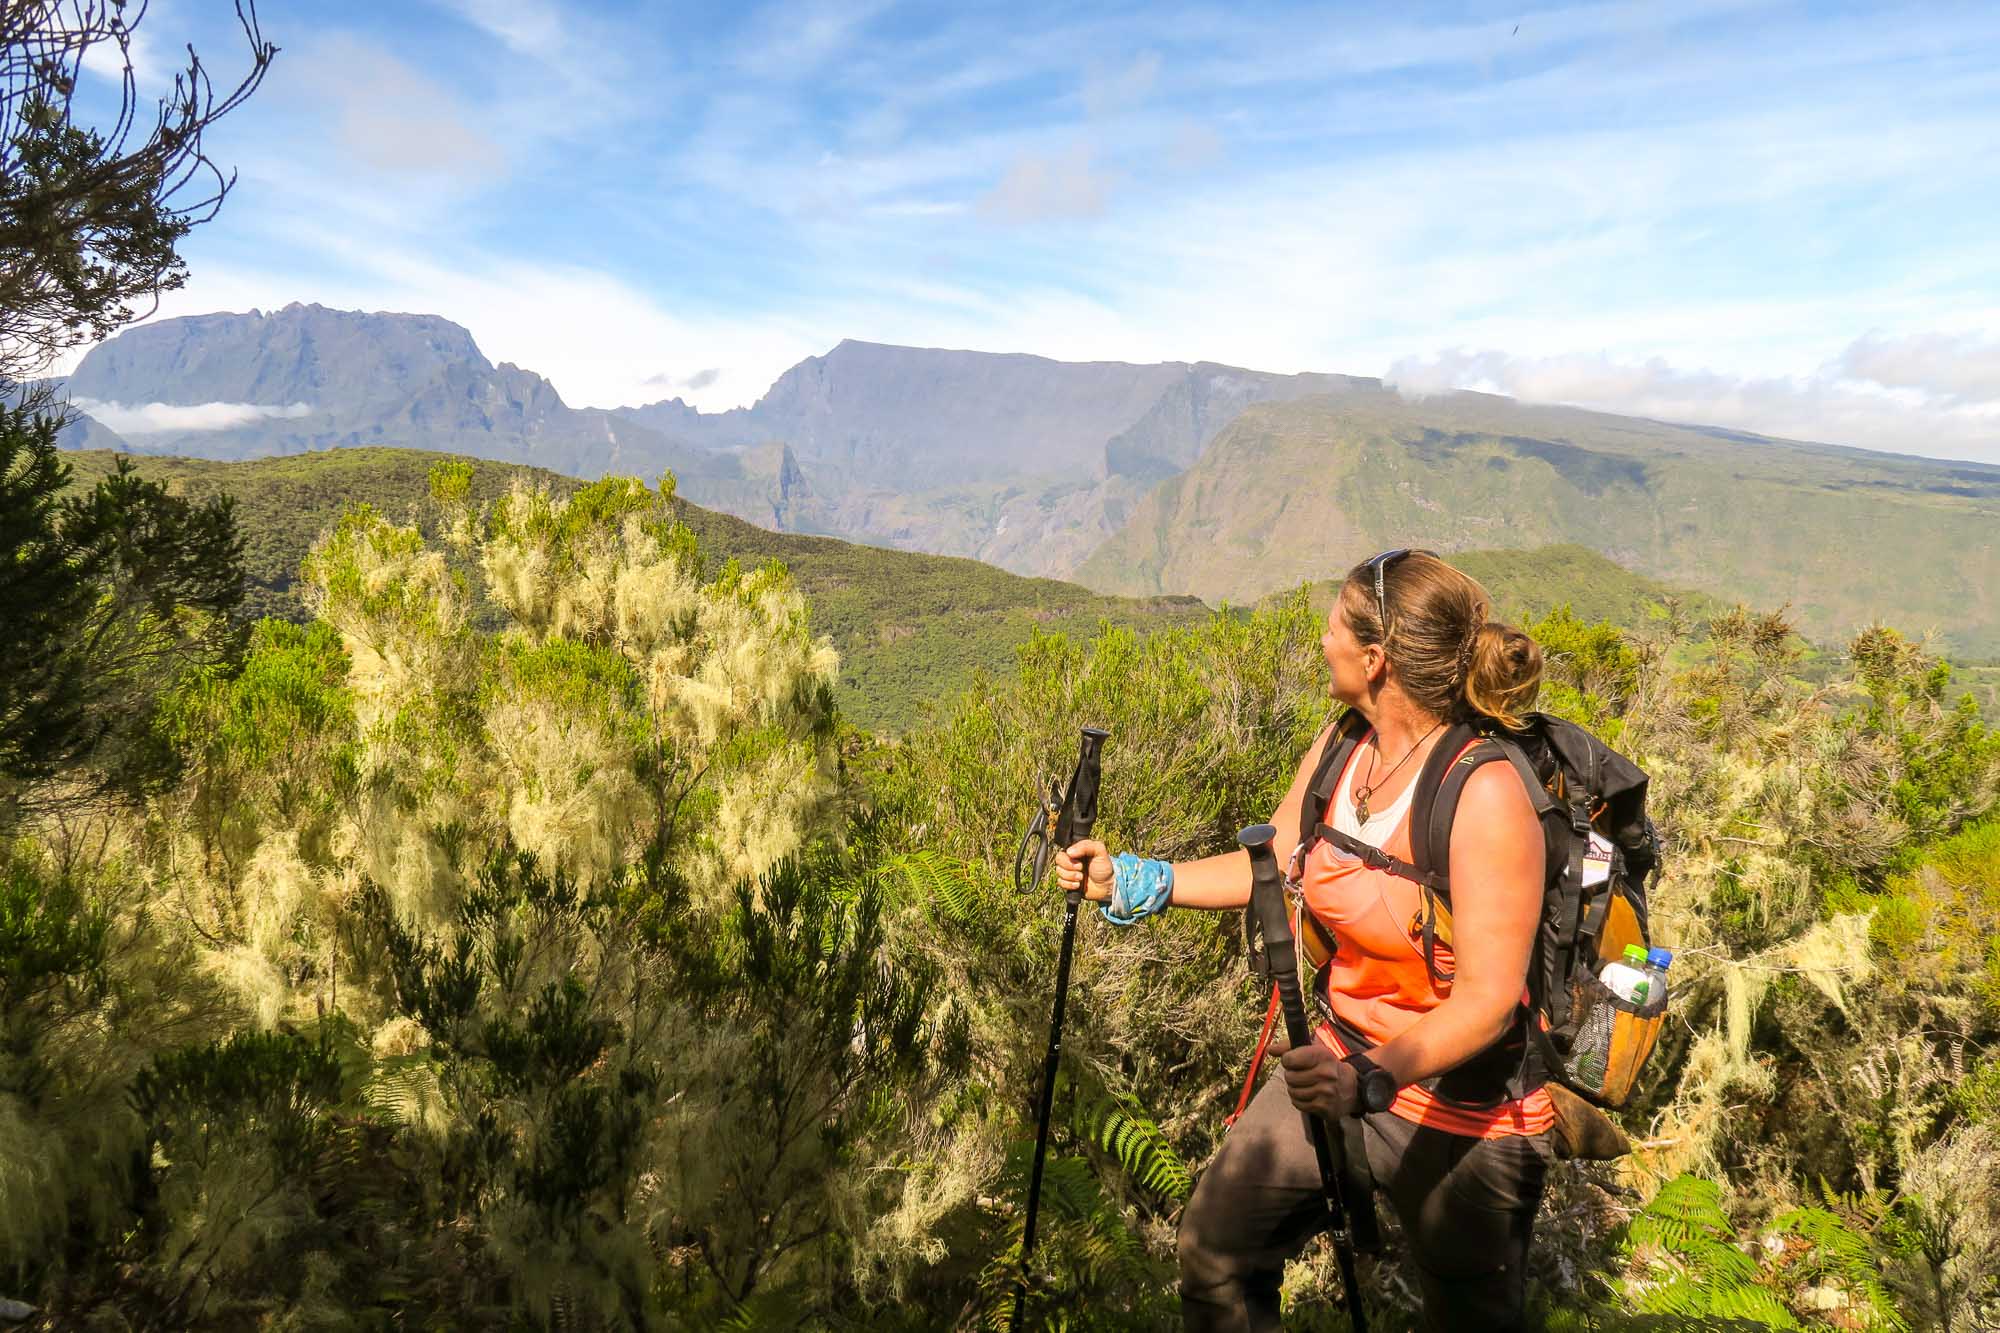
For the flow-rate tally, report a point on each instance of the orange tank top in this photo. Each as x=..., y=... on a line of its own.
x=1377, y=982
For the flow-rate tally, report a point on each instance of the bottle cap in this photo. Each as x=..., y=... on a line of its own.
x=1660, y=958
x=1635, y=954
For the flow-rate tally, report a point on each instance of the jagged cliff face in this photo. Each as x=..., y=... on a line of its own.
x=341, y=363
x=1019, y=461
x=873, y=415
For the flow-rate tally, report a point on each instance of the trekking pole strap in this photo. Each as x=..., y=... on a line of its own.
x=1353, y=1226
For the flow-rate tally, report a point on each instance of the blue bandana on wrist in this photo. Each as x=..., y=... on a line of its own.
x=1139, y=888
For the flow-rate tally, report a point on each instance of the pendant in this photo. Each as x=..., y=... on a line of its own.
x=1361, y=796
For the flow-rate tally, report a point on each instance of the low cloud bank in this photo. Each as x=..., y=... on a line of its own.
x=1930, y=394
x=179, y=418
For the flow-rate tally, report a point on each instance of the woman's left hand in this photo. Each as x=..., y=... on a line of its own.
x=1320, y=1081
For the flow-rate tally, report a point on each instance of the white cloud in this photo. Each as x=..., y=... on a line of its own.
x=526, y=27
x=1042, y=187
x=108, y=59
x=701, y=379
x=793, y=38
x=1107, y=91
x=391, y=115
x=1962, y=368
x=175, y=418
x=1828, y=406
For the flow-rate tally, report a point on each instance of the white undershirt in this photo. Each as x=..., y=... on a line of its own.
x=1381, y=822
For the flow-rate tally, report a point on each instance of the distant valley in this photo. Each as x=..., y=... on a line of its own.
x=1147, y=480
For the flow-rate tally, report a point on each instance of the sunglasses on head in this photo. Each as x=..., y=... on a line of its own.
x=1377, y=567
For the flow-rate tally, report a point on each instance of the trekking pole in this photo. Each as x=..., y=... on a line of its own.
x=1267, y=902
x=1072, y=812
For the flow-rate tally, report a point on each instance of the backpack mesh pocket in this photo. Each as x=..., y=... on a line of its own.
x=1613, y=1038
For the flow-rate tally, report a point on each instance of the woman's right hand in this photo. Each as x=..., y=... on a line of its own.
x=1070, y=864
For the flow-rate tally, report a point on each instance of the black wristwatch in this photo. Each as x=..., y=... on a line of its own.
x=1378, y=1085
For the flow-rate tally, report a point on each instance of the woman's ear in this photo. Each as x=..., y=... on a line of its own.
x=1375, y=663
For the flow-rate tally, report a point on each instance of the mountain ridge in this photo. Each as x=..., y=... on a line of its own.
x=1677, y=503
x=1146, y=478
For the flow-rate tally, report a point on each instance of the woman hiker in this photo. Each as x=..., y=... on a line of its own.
x=1410, y=651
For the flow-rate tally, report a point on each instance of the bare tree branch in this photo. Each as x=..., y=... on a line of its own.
x=91, y=212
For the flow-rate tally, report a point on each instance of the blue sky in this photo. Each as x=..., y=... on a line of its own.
x=1770, y=216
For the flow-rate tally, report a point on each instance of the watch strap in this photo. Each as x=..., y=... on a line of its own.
x=1378, y=1085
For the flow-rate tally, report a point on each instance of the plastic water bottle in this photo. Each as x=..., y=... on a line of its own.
x=1657, y=962
x=1629, y=979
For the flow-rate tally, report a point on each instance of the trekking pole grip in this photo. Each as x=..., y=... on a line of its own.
x=1079, y=812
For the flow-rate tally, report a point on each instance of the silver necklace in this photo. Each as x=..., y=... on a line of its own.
x=1370, y=786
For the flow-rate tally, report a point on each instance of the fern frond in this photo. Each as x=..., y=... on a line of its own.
x=948, y=886
x=1846, y=1256
x=406, y=1091
x=1141, y=1148
x=1685, y=1232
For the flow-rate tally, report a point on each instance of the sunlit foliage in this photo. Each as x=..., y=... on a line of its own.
x=572, y=971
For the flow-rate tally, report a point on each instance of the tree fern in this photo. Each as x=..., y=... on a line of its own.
x=405, y=1091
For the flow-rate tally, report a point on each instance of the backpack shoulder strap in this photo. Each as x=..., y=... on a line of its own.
x=1442, y=783
x=1313, y=825
x=1465, y=749
x=1333, y=757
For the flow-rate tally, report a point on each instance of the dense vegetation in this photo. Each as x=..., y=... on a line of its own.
x=909, y=628
x=564, y=966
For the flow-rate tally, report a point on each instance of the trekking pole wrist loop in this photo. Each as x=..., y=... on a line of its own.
x=1140, y=887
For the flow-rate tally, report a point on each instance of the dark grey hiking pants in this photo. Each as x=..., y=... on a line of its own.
x=1466, y=1206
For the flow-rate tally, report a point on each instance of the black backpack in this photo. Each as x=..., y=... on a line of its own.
x=1570, y=1028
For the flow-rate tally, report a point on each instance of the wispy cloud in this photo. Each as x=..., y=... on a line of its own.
x=535, y=28
x=1724, y=185
x=694, y=383
x=794, y=38
x=1039, y=187
x=140, y=47
x=391, y=115
x=171, y=418
x=1106, y=91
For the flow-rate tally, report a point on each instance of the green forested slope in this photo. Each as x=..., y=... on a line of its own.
x=908, y=627
x=1526, y=585
x=1296, y=491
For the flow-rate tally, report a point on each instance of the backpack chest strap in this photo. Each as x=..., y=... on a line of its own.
x=1376, y=859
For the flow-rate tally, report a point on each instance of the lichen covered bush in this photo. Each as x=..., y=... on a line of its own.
x=504, y=974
